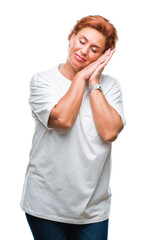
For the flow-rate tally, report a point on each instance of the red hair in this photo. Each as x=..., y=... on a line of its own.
x=102, y=25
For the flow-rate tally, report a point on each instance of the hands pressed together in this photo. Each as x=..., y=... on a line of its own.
x=93, y=71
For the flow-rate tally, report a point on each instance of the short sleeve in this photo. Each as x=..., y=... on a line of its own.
x=42, y=97
x=115, y=99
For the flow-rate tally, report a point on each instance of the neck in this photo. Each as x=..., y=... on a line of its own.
x=67, y=70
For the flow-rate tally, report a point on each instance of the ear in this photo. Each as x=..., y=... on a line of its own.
x=71, y=39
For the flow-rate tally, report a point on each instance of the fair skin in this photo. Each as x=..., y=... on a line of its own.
x=86, y=62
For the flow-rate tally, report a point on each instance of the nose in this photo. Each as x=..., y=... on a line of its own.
x=84, y=50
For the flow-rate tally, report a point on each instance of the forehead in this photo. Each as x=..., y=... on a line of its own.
x=92, y=35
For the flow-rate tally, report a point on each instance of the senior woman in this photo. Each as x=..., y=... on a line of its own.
x=78, y=113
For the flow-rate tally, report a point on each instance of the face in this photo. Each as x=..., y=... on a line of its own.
x=85, y=47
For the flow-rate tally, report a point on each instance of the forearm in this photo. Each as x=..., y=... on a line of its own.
x=64, y=114
x=107, y=121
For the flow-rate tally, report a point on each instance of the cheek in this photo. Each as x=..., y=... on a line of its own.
x=72, y=48
x=93, y=57
x=75, y=45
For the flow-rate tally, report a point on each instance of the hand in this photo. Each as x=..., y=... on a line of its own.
x=98, y=66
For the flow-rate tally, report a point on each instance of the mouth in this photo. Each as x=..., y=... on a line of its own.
x=80, y=58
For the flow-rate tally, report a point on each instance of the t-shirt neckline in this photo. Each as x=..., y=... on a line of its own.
x=61, y=75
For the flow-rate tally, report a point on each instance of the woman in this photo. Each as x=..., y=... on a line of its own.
x=78, y=112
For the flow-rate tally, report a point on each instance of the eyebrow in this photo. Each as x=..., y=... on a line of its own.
x=88, y=40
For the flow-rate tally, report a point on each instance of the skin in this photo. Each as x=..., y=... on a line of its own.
x=85, y=62
x=84, y=45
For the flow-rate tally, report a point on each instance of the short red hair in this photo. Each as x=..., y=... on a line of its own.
x=102, y=25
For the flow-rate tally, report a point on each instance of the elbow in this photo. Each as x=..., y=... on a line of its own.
x=111, y=137
x=59, y=121
x=64, y=124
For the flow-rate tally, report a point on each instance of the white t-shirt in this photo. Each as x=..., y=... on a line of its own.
x=67, y=178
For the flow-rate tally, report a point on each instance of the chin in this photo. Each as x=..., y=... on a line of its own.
x=76, y=65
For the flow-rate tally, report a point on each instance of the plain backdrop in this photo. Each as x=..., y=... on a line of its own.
x=34, y=38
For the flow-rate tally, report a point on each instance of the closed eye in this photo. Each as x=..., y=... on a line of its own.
x=94, y=50
x=82, y=42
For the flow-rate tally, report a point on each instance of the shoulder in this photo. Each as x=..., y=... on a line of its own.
x=45, y=77
x=108, y=82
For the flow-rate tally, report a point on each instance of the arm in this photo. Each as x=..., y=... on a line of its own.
x=107, y=121
x=64, y=114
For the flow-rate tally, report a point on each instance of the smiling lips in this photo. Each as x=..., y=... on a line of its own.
x=80, y=58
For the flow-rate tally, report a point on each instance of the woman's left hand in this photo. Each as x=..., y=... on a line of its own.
x=102, y=61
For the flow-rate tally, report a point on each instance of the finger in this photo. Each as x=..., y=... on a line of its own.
x=100, y=63
x=105, y=62
x=100, y=60
x=104, y=56
x=111, y=53
x=109, y=56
